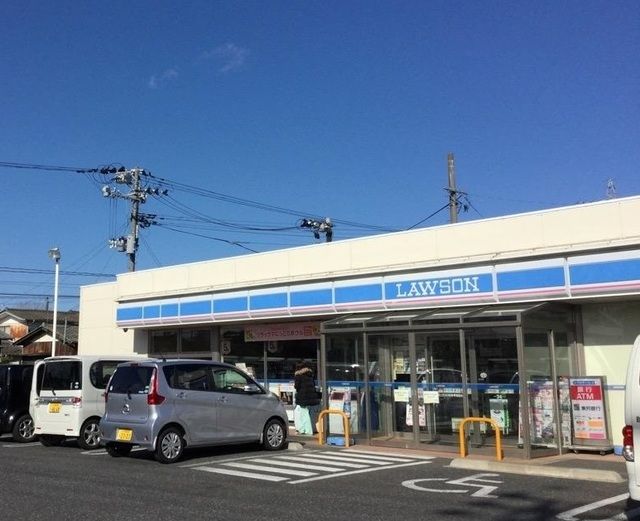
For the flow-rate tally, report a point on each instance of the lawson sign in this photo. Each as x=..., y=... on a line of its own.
x=557, y=278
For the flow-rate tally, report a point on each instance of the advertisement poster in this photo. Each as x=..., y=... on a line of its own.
x=542, y=413
x=588, y=410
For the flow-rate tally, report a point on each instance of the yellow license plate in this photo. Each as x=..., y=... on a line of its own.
x=54, y=407
x=124, y=434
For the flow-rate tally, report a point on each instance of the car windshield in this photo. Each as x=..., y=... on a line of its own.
x=131, y=379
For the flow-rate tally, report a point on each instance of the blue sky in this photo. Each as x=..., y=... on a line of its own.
x=339, y=109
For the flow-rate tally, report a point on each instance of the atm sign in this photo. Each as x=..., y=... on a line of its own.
x=586, y=392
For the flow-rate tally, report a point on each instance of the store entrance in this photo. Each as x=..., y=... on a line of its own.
x=422, y=385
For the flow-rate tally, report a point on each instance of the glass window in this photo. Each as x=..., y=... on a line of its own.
x=133, y=379
x=195, y=340
x=192, y=377
x=3, y=380
x=100, y=372
x=231, y=381
x=163, y=342
x=62, y=376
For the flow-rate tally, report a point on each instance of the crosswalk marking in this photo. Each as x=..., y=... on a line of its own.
x=376, y=460
x=386, y=459
x=289, y=472
x=385, y=454
x=308, y=466
x=347, y=462
x=229, y=472
x=278, y=461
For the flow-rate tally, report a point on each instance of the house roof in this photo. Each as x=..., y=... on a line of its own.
x=67, y=335
x=40, y=315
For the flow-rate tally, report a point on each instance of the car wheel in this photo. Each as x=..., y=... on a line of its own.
x=118, y=450
x=24, y=429
x=90, y=434
x=169, y=446
x=274, y=435
x=51, y=440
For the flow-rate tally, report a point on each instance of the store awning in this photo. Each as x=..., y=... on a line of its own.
x=437, y=318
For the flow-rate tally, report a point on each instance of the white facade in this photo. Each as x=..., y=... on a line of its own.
x=563, y=238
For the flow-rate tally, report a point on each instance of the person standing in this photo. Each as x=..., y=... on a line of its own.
x=306, y=395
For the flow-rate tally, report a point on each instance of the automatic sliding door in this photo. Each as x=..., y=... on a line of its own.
x=440, y=388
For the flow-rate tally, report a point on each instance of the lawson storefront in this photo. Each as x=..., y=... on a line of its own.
x=408, y=349
x=410, y=376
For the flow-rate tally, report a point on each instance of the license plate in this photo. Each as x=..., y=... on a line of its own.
x=124, y=434
x=54, y=407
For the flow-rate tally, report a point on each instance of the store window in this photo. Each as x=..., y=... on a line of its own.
x=182, y=343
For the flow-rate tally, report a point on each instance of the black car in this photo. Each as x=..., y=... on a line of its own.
x=15, y=385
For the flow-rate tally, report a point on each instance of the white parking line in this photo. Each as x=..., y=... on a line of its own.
x=385, y=454
x=229, y=472
x=346, y=461
x=17, y=445
x=369, y=458
x=277, y=461
x=362, y=471
x=286, y=472
x=570, y=515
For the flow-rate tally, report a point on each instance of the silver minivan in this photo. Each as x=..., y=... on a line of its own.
x=167, y=405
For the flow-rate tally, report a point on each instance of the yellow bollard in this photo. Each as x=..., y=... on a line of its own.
x=496, y=428
x=345, y=423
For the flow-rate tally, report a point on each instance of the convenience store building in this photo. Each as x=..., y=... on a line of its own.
x=506, y=318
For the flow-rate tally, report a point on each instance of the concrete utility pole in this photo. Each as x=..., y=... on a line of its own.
x=453, y=191
x=138, y=194
x=136, y=197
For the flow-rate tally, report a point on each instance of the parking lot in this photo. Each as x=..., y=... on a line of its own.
x=246, y=482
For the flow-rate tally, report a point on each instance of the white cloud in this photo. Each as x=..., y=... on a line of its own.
x=157, y=80
x=229, y=56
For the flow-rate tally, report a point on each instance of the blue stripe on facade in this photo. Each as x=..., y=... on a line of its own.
x=199, y=307
x=350, y=294
x=439, y=287
x=152, y=311
x=612, y=271
x=129, y=313
x=275, y=300
x=228, y=305
x=169, y=310
x=315, y=297
x=530, y=279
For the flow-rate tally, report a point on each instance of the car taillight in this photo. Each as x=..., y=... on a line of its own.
x=627, y=443
x=154, y=397
x=76, y=401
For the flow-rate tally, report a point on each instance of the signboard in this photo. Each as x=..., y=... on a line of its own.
x=587, y=405
x=284, y=331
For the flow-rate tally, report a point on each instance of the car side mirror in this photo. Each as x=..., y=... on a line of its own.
x=252, y=389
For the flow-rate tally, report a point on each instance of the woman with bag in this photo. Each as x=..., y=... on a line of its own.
x=306, y=398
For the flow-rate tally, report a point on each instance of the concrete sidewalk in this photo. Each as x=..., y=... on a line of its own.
x=608, y=468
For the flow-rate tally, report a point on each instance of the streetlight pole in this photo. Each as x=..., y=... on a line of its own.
x=54, y=253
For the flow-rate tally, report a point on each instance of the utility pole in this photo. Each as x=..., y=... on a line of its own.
x=453, y=192
x=136, y=197
x=138, y=193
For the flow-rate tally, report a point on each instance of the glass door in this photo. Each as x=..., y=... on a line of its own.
x=440, y=392
x=390, y=375
x=492, y=365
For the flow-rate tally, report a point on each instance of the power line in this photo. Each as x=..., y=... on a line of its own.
x=234, y=243
x=35, y=295
x=8, y=269
x=429, y=216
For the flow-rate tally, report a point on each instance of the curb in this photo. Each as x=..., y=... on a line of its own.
x=604, y=476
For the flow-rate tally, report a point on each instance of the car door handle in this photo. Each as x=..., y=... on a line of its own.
x=181, y=395
x=223, y=399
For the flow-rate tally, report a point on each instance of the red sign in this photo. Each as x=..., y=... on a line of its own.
x=586, y=392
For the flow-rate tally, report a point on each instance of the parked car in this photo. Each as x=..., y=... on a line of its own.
x=167, y=405
x=15, y=383
x=67, y=398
